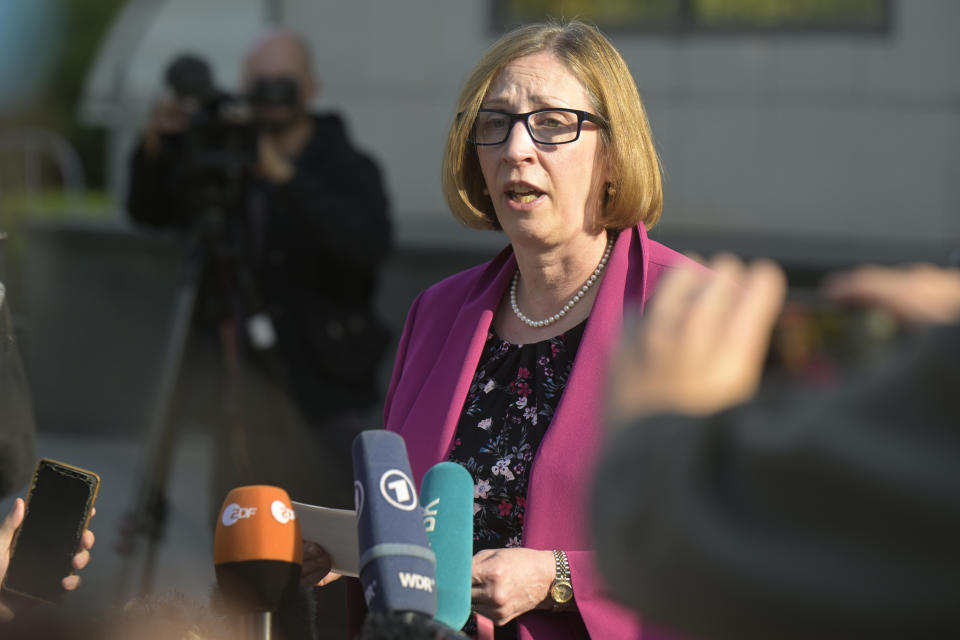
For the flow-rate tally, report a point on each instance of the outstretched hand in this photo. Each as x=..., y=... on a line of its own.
x=919, y=294
x=701, y=343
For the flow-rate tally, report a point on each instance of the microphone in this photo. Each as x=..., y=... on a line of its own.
x=258, y=553
x=397, y=568
x=447, y=498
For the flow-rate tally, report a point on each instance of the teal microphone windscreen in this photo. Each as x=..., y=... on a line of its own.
x=447, y=499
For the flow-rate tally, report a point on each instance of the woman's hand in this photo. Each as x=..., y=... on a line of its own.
x=509, y=582
x=316, y=566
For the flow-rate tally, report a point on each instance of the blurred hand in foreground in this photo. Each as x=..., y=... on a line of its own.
x=701, y=343
x=919, y=294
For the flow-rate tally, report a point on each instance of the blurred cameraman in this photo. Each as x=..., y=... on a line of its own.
x=301, y=217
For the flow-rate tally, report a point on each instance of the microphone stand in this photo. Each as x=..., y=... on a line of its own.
x=259, y=625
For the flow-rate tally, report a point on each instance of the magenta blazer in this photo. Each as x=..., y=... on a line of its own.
x=437, y=357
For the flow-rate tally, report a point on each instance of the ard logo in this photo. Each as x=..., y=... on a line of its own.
x=397, y=489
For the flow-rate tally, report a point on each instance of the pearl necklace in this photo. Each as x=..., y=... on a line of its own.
x=567, y=307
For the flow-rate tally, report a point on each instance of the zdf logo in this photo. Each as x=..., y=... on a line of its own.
x=281, y=512
x=233, y=512
x=398, y=490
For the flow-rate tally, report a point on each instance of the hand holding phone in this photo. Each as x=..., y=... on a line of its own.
x=8, y=528
x=39, y=541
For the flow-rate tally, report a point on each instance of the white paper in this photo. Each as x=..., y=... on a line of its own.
x=333, y=529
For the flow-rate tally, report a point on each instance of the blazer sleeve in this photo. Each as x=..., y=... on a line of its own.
x=827, y=514
x=602, y=616
x=399, y=361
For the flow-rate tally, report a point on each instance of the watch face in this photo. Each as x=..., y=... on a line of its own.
x=561, y=592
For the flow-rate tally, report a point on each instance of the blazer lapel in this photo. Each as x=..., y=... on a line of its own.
x=449, y=379
x=561, y=470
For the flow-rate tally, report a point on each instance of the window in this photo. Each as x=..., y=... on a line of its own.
x=705, y=16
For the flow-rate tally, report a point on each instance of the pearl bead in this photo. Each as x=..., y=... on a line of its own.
x=569, y=305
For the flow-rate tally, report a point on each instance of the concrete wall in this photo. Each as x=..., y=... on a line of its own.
x=852, y=137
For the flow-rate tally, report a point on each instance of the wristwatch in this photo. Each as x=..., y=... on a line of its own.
x=561, y=591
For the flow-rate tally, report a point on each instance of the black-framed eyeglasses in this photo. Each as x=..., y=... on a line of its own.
x=546, y=126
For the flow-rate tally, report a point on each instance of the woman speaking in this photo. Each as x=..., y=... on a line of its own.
x=500, y=368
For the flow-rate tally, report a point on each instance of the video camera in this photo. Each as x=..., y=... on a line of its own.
x=220, y=145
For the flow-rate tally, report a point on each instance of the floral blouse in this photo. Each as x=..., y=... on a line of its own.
x=509, y=406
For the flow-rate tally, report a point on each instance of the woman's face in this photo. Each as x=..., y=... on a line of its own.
x=544, y=195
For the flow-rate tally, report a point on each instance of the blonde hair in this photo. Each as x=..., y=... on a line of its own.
x=635, y=193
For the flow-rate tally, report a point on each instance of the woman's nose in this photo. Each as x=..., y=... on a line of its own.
x=518, y=146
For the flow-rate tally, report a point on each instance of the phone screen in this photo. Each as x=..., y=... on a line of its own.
x=816, y=342
x=58, y=508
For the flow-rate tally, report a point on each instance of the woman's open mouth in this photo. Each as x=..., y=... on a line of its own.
x=523, y=195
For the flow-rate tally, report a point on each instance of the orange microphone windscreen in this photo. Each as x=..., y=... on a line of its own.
x=257, y=522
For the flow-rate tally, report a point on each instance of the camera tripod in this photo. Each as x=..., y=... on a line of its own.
x=208, y=247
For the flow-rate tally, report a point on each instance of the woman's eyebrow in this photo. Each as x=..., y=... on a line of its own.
x=538, y=102
x=494, y=103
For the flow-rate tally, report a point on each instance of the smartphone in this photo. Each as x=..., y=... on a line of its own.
x=816, y=341
x=59, y=504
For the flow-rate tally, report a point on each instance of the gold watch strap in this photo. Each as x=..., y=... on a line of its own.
x=561, y=591
x=563, y=566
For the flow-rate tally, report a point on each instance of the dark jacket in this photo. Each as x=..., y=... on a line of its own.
x=313, y=247
x=16, y=411
x=831, y=514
